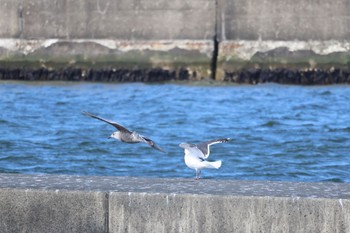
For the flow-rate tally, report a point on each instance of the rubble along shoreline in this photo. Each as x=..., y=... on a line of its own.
x=242, y=76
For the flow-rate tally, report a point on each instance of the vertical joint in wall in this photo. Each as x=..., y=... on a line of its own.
x=214, y=58
x=20, y=21
x=215, y=54
x=106, y=208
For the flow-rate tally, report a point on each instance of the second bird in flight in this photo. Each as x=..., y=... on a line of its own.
x=125, y=135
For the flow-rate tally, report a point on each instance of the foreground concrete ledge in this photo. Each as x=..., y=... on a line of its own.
x=175, y=186
x=63, y=203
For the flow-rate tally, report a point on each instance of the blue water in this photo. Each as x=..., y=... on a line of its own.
x=279, y=132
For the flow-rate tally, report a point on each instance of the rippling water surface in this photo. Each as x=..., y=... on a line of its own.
x=286, y=133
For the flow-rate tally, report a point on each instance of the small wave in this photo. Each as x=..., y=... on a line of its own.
x=2, y=121
x=271, y=124
x=325, y=93
x=5, y=170
x=84, y=143
x=9, y=123
x=60, y=132
x=310, y=106
x=307, y=124
x=19, y=158
x=6, y=144
x=6, y=158
x=337, y=180
x=300, y=174
x=344, y=129
x=97, y=150
x=338, y=140
x=61, y=103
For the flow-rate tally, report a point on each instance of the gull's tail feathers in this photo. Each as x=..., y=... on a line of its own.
x=215, y=164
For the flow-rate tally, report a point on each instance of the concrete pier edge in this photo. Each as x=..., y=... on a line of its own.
x=64, y=203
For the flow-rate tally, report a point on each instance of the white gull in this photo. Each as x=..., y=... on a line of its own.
x=196, y=155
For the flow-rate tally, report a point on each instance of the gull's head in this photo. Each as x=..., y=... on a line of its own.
x=115, y=135
x=184, y=145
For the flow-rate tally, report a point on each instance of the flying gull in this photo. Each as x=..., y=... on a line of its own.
x=196, y=155
x=125, y=135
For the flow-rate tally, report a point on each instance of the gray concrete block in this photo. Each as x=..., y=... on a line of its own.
x=38, y=210
x=145, y=21
x=283, y=20
x=44, y=19
x=11, y=19
x=144, y=212
x=63, y=203
x=124, y=20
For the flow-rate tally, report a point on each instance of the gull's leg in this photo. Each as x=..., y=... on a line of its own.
x=197, y=174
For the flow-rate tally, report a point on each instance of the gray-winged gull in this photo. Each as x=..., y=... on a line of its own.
x=125, y=135
x=196, y=155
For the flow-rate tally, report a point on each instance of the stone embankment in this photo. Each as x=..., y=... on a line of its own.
x=139, y=40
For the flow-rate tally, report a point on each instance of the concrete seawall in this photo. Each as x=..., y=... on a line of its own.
x=203, y=38
x=297, y=36
x=50, y=203
x=109, y=35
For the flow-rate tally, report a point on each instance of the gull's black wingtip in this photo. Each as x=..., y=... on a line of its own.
x=89, y=114
x=160, y=149
x=85, y=113
x=226, y=140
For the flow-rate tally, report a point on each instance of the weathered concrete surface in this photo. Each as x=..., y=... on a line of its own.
x=105, y=19
x=207, y=38
x=50, y=203
x=108, y=34
x=191, y=213
x=176, y=186
x=284, y=34
x=193, y=56
x=235, y=56
x=39, y=210
x=286, y=20
x=10, y=19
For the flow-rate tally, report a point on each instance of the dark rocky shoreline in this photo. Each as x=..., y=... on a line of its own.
x=94, y=75
x=243, y=76
x=290, y=76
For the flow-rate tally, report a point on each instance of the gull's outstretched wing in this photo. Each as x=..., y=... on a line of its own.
x=204, y=146
x=116, y=125
x=152, y=144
